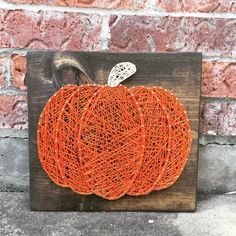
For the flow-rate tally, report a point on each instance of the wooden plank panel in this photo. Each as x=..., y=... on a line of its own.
x=178, y=72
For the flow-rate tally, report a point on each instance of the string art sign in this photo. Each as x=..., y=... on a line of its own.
x=111, y=140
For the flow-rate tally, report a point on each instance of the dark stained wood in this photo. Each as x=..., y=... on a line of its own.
x=49, y=70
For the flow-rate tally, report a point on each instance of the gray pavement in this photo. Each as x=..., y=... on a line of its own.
x=215, y=215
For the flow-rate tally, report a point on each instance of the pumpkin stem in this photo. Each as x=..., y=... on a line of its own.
x=120, y=72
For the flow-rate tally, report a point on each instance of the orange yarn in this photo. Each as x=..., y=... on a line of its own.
x=181, y=138
x=113, y=141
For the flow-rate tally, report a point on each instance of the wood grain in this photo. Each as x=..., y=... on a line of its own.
x=49, y=70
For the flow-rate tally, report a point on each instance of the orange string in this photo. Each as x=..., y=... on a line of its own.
x=113, y=141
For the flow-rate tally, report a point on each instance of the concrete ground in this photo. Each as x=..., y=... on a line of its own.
x=216, y=215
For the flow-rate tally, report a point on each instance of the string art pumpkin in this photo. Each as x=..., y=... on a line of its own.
x=112, y=140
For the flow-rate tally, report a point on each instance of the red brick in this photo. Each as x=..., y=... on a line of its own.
x=218, y=118
x=212, y=36
x=19, y=71
x=54, y=30
x=219, y=79
x=4, y=36
x=13, y=112
x=2, y=14
x=110, y=4
x=197, y=5
x=3, y=71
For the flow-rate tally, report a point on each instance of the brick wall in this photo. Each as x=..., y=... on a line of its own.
x=207, y=26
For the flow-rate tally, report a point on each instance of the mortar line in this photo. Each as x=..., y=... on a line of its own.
x=218, y=144
x=220, y=59
x=106, y=33
x=13, y=136
x=204, y=99
x=8, y=74
x=220, y=140
x=21, y=51
x=150, y=4
x=11, y=91
x=217, y=99
x=102, y=12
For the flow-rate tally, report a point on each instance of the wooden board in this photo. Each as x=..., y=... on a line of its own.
x=178, y=72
